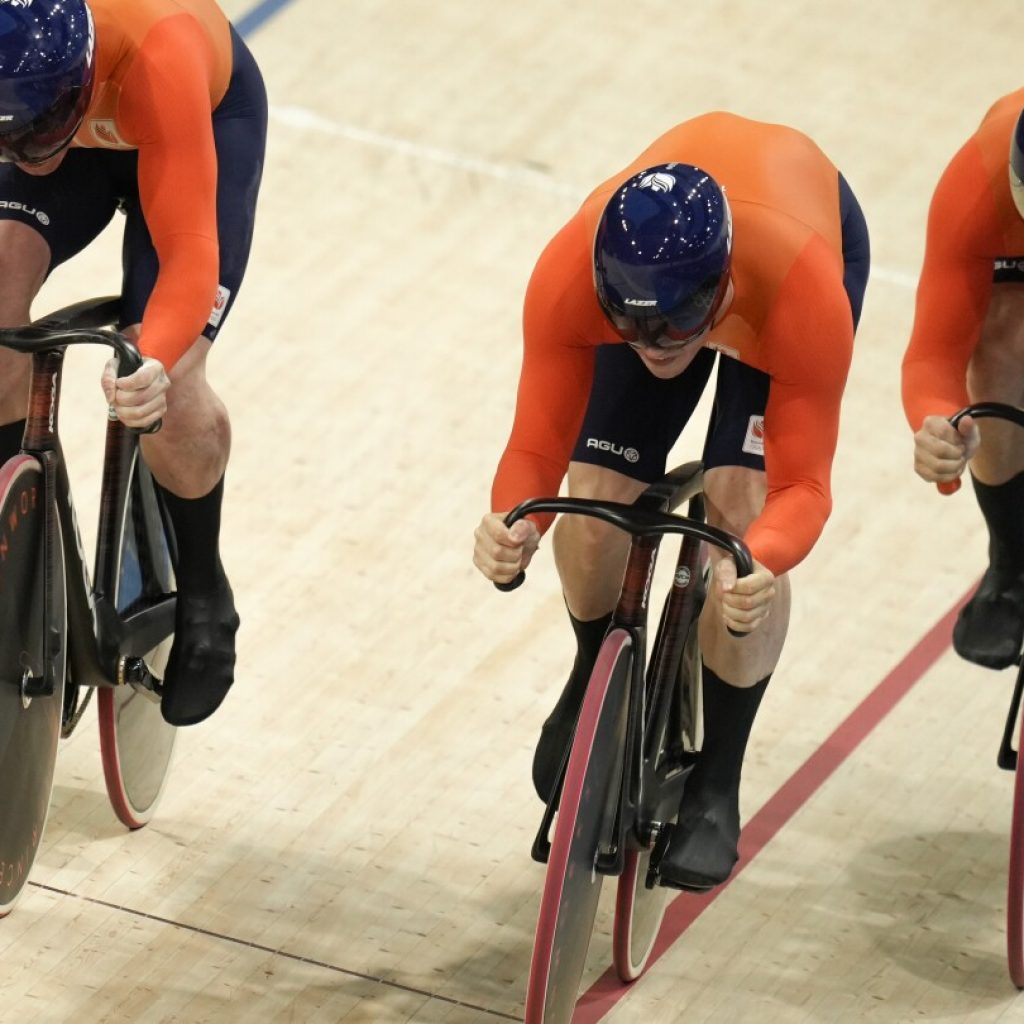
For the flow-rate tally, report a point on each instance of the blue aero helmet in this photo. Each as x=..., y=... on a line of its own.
x=661, y=255
x=46, y=75
x=1017, y=164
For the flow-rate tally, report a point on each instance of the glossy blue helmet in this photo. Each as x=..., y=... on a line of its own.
x=46, y=73
x=1017, y=164
x=661, y=253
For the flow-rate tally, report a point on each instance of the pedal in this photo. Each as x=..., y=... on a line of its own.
x=649, y=837
x=661, y=835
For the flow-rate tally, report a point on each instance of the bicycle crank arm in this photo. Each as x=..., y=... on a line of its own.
x=135, y=672
x=1007, y=756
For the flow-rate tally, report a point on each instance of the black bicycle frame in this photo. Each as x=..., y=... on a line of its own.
x=104, y=648
x=648, y=521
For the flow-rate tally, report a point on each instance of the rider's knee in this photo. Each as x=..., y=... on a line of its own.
x=992, y=371
x=734, y=497
x=193, y=406
x=191, y=402
x=589, y=481
x=590, y=554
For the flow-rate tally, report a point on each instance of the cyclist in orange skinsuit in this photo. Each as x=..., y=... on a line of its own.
x=156, y=108
x=730, y=235
x=968, y=345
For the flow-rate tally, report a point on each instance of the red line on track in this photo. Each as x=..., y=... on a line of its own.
x=598, y=1001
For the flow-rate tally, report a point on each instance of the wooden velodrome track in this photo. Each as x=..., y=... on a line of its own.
x=347, y=840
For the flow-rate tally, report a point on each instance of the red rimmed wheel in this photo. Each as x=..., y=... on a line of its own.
x=586, y=813
x=1015, y=887
x=136, y=744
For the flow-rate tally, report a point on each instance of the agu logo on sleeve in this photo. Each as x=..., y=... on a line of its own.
x=753, y=443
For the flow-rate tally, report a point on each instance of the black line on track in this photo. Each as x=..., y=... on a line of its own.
x=276, y=952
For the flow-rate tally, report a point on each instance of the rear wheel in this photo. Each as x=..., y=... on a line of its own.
x=136, y=743
x=29, y=727
x=586, y=815
x=639, y=910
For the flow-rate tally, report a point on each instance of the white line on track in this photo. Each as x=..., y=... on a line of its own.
x=308, y=120
x=304, y=119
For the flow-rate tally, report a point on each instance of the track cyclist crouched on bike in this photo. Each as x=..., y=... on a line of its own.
x=725, y=235
x=157, y=110
x=967, y=345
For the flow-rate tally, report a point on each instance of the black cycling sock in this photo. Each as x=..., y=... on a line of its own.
x=196, y=523
x=557, y=730
x=589, y=636
x=10, y=440
x=201, y=667
x=1002, y=505
x=729, y=713
x=700, y=851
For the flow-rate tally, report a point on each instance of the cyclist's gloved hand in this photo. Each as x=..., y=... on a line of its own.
x=746, y=601
x=140, y=399
x=942, y=451
x=501, y=553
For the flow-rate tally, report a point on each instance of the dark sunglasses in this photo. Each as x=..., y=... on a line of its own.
x=652, y=331
x=683, y=326
x=49, y=133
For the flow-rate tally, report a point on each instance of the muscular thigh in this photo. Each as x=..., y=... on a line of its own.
x=67, y=208
x=24, y=262
x=996, y=374
x=996, y=370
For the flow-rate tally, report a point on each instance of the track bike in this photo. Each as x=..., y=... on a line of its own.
x=636, y=741
x=64, y=635
x=1008, y=758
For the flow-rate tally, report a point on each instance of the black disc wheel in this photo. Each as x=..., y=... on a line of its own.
x=29, y=726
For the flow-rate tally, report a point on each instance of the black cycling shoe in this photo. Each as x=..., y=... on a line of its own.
x=989, y=630
x=700, y=851
x=201, y=667
x=556, y=736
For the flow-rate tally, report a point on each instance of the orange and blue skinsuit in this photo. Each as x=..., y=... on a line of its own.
x=162, y=66
x=972, y=225
x=791, y=318
x=173, y=135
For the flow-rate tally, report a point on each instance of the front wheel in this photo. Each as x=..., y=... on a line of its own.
x=1015, y=888
x=572, y=885
x=29, y=727
x=136, y=743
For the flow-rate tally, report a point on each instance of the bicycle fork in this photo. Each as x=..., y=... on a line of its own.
x=39, y=441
